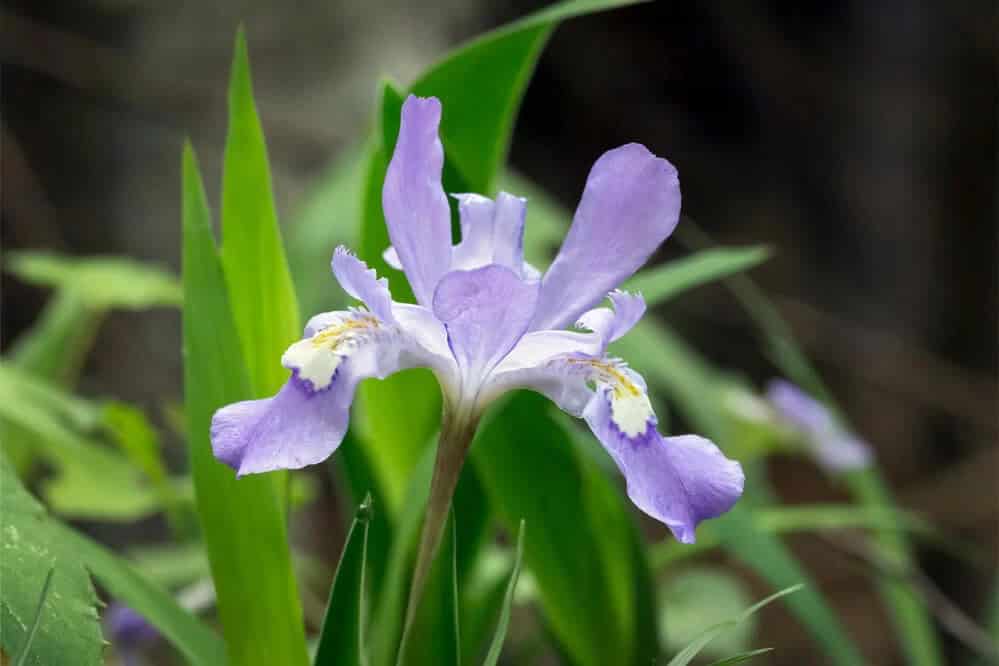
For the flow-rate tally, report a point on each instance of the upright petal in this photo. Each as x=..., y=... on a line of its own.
x=677, y=480
x=630, y=204
x=485, y=312
x=416, y=210
x=492, y=232
x=305, y=422
x=476, y=213
x=610, y=325
x=362, y=283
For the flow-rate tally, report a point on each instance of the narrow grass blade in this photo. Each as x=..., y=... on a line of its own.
x=661, y=283
x=503, y=623
x=257, y=598
x=341, y=642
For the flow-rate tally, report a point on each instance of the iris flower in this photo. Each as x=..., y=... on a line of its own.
x=487, y=322
x=834, y=448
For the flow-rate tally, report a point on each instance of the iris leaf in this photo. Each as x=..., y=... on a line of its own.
x=503, y=622
x=588, y=601
x=741, y=658
x=258, y=603
x=342, y=639
x=261, y=293
x=661, y=283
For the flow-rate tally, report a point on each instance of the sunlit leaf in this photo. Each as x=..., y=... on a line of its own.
x=663, y=282
x=257, y=598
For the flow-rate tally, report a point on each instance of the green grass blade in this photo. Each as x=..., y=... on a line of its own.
x=261, y=293
x=22, y=658
x=741, y=658
x=341, y=642
x=257, y=598
x=688, y=653
x=503, y=622
x=661, y=283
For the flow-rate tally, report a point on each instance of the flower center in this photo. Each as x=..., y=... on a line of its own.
x=315, y=360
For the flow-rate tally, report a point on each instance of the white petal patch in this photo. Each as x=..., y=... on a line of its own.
x=315, y=359
x=631, y=411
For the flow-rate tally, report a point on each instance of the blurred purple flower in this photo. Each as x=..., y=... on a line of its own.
x=487, y=322
x=834, y=448
x=129, y=632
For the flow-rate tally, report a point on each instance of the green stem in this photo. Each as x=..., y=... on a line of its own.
x=457, y=431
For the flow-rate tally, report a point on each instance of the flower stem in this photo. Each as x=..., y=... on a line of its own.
x=457, y=431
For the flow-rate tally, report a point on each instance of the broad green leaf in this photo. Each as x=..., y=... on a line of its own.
x=703, y=597
x=261, y=293
x=519, y=451
x=258, y=603
x=22, y=657
x=912, y=619
x=342, y=639
x=481, y=85
x=100, y=282
x=91, y=481
x=661, y=283
x=688, y=654
x=503, y=622
x=56, y=345
x=69, y=632
x=34, y=545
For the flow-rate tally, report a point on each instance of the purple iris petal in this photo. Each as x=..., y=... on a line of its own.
x=485, y=312
x=492, y=232
x=126, y=627
x=361, y=282
x=295, y=428
x=833, y=447
x=631, y=203
x=611, y=325
x=416, y=210
x=679, y=481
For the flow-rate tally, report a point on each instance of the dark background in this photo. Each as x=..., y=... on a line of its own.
x=857, y=138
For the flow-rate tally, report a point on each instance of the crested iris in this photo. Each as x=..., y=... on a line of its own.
x=487, y=322
x=833, y=447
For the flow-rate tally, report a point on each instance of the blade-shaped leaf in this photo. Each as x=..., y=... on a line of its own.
x=342, y=639
x=100, y=282
x=520, y=449
x=261, y=293
x=687, y=655
x=503, y=623
x=741, y=658
x=257, y=598
x=662, y=283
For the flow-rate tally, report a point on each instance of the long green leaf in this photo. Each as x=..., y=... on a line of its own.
x=663, y=282
x=520, y=449
x=503, y=623
x=342, y=639
x=261, y=293
x=741, y=658
x=242, y=520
